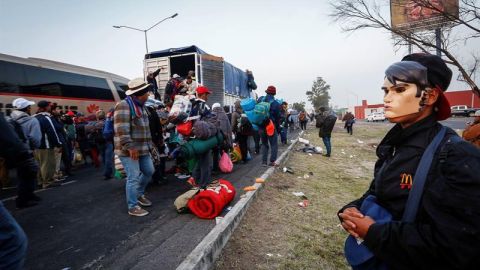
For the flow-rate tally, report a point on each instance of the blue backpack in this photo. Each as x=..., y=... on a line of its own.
x=108, y=131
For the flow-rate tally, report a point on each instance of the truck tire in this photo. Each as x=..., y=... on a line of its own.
x=471, y=114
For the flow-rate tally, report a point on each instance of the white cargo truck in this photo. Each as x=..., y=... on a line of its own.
x=226, y=81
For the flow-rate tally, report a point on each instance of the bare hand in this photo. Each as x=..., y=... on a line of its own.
x=347, y=223
x=133, y=154
x=362, y=225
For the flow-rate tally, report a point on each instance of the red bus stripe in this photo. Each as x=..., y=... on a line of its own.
x=55, y=97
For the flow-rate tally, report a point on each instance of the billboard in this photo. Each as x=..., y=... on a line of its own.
x=412, y=15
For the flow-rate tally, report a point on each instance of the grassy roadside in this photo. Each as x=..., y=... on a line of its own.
x=277, y=233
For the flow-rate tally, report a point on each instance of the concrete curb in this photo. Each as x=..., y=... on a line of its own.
x=206, y=252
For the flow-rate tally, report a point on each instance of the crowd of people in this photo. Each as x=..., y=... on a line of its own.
x=135, y=139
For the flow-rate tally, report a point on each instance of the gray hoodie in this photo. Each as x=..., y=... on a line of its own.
x=30, y=127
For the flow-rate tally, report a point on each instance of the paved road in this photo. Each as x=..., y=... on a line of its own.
x=84, y=224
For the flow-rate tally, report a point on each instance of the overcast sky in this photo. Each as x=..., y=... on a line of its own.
x=286, y=43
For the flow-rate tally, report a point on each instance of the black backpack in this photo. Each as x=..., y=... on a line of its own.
x=244, y=126
x=18, y=129
x=171, y=87
x=329, y=122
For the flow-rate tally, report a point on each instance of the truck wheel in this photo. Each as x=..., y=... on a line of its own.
x=471, y=114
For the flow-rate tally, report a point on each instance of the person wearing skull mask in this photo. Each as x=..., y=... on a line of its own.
x=444, y=230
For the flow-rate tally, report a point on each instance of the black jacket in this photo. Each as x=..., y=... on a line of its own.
x=446, y=233
x=50, y=137
x=12, y=149
x=155, y=126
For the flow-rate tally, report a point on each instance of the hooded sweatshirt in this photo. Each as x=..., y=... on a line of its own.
x=30, y=126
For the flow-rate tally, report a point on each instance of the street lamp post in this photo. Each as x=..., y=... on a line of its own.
x=146, y=30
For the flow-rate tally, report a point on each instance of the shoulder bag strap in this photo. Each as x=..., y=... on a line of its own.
x=420, y=176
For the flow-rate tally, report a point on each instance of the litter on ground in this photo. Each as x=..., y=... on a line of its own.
x=303, y=204
x=301, y=140
x=249, y=188
x=288, y=170
x=359, y=141
x=298, y=194
x=259, y=180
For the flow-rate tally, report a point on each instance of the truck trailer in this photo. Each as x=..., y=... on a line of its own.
x=226, y=81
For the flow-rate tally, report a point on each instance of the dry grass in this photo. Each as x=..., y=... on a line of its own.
x=278, y=234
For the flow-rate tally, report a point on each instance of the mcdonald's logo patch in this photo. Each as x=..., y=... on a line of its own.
x=406, y=181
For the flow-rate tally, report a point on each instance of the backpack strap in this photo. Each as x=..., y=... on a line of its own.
x=423, y=168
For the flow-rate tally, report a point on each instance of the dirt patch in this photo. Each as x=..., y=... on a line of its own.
x=277, y=233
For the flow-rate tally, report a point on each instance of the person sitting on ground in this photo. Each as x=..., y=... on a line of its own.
x=132, y=143
x=435, y=226
x=472, y=131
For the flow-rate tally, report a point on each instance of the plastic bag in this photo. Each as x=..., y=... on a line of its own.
x=225, y=164
x=185, y=128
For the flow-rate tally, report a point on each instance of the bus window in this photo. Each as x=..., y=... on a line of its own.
x=121, y=88
x=12, y=77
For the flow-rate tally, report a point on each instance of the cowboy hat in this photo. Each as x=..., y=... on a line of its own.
x=136, y=85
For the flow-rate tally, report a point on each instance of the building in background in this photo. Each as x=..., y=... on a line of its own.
x=463, y=97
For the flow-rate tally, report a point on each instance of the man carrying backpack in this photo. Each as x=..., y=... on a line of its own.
x=242, y=128
x=274, y=116
x=29, y=132
x=325, y=123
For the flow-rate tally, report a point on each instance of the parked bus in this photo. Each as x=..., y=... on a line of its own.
x=72, y=87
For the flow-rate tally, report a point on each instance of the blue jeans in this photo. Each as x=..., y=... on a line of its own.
x=273, y=140
x=108, y=160
x=139, y=172
x=328, y=145
x=283, y=135
x=13, y=242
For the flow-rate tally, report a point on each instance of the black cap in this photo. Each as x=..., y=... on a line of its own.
x=43, y=104
x=438, y=74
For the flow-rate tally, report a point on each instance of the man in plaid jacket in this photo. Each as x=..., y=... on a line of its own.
x=133, y=142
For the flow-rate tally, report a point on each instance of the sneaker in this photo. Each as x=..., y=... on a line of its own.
x=143, y=201
x=191, y=181
x=264, y=164
x=273, y=164
x=137, y=211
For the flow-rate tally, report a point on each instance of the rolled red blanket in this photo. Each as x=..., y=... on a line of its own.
x=209, y=203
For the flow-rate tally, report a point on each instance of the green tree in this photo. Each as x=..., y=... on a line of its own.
x=299, y=106
x=319, y=96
